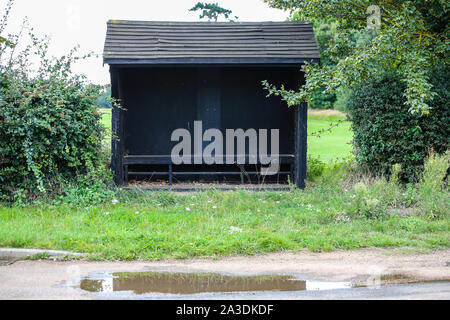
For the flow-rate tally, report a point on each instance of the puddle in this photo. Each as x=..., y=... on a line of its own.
x=192, y=283
x=396, y=278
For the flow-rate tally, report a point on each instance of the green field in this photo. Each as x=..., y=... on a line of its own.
x=331, y=145
x=106, y=118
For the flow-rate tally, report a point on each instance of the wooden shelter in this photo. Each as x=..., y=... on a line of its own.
x=169, y=74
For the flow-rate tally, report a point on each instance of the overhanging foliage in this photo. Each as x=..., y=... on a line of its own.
x=411, y=38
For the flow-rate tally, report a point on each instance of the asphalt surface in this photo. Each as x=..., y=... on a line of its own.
x=424, y=291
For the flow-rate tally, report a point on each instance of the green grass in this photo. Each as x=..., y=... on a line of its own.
x=241, y=223
x=329, y=146
x=106, y=117
x=332, y=144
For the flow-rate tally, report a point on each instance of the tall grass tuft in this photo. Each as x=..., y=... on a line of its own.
x=433, y=190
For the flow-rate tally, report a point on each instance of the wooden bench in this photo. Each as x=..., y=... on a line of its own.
x=167, y=160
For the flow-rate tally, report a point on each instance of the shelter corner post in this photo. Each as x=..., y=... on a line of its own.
x=117, y=136
x=301, y=136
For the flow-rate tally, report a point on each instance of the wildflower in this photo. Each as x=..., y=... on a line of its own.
x=342, y=217
x=214, y=207
x=188, y=209
x=107, y=213
x=235, y=229
x=115, y=201
x=137, y=212
x=278, y=201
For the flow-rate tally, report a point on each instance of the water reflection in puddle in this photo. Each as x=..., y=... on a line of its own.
x=191, y=283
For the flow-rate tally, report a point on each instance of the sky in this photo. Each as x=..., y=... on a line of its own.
x=83, y=22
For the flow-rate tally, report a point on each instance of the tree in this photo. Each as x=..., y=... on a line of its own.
x=212, y=11
x=407, y=37
x=325, y=31
x=104, y=100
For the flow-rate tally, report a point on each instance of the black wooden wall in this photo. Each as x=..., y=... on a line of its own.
x=159, y=100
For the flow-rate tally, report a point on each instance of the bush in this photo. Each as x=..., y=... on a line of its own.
x=314, y=167
x=50, y=129
x=385, y=133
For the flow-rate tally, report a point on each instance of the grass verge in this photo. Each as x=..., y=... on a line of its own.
x=330, y=214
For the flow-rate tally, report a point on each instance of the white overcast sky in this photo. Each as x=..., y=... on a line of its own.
x=83, y=22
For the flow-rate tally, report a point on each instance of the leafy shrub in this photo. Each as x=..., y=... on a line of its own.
x=314, y=167
x=385, y=133
x=50, y=130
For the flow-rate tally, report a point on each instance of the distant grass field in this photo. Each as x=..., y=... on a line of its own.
x=331, y=145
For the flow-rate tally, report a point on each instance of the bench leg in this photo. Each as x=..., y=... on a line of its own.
x=170, y=174
x=242, y=174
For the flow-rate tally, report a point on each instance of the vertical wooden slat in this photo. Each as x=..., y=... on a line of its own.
x=209, y=99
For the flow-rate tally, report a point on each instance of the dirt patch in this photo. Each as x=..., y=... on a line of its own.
x=361, y=266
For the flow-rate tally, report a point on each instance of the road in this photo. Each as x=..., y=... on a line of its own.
x=385, y=271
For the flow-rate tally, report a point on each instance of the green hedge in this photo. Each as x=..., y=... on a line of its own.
x=50, y=131
x=385, y=133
